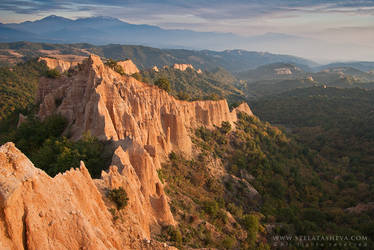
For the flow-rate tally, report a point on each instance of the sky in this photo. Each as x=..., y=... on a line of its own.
x=345, y=23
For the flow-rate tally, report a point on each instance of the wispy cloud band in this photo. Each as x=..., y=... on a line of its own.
x=209, y=9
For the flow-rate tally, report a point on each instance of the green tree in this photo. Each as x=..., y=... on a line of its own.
x=114, y=65
x=163, y=83
x=228, y=242
x=52, y=73
x=138, y=76
x=211, y=208
x=119, y=197
x=183, y=96
x=57, y=155
x=251, y=224
x=225, y=127
x=174, y=235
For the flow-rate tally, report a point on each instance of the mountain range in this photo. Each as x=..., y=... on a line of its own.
x=147, y=57
x=107, y=30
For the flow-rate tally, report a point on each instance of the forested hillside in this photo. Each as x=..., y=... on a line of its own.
x=192, y=85
x=18, y=85
x=146, y=57
x=273, y=79
x=299, y=190
x=339, y=124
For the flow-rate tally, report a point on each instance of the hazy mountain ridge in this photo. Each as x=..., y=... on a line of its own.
x=101, y=30
x=146, y=57
x=274, y=71
x=276, y=78
x=363, y=66
x=112, y=30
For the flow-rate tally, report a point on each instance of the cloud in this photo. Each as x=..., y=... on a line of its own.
x=209, y=9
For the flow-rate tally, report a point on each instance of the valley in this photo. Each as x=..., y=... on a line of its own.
x=165, y=149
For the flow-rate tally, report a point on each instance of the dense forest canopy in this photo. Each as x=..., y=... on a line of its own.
x=18, y=85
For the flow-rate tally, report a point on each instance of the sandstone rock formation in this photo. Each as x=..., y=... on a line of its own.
x=135, y=170
x=283, y=71
x=32, y=216
x=128, y=67
x=182, y=67
x=114, y=107
x=310, y=78
x=58, y=64
x=68, y=211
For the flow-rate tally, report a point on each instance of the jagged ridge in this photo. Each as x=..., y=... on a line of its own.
x=112, y=106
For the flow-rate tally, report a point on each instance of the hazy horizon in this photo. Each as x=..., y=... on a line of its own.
x=324, y=31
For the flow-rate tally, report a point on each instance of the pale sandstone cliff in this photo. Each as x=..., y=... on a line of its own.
x=128, y=67
x=68, y=211
x=58, y=64
x=40, y=212
x=114, y=107
x=182, y=67
x=283, y=71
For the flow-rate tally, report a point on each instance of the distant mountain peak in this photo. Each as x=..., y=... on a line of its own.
x=53, y=18
x=100, y=18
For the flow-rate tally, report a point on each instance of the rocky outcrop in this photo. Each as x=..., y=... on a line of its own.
x=58, y=64
x=70, y=211
x=243, y=107
x=135, y=170
x=128, y=67
x=155, y=68
x=114, y=107
x=32, y=217
x=21, y=119
x=361, y=207
x=310, y=79
x=283, y=71
x=182, y=67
